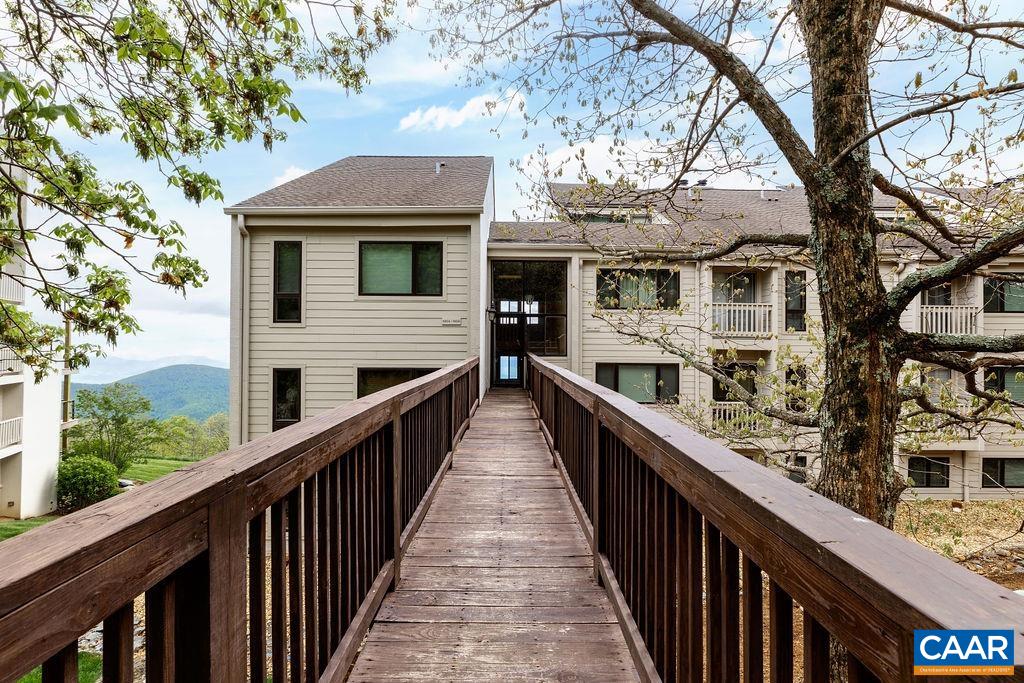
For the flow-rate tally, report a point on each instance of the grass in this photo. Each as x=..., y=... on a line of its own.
x=9, y=528
x=153, y=468
x=90, y=667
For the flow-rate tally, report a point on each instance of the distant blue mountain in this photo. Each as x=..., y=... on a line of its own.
x=196, y=391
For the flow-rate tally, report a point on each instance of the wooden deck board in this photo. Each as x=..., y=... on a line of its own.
x=498, y=581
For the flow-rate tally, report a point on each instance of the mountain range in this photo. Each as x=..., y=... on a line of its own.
x=196, y=391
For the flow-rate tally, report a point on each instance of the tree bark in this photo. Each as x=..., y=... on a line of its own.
x=860, y=402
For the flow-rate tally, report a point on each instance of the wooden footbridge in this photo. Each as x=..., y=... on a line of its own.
x=558, y=533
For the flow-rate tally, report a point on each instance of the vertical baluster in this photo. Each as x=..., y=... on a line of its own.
x=753, y=622
x=160, y=632
x=257, y=599
x=713, y=587
x=731, y=608
x=334, y=550
x=278, y=616
x=63, y=666
x=117, y=645
x=780, y=634
x=309, y=566
x=295, y=582
x=695, y=605
x=352, y=543
x=816, y=651
x=856, y=672
x=651, y=554
x=322, y=572
x=657, y=596
x=681, y=588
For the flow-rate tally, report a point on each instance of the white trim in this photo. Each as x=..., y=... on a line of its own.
x=301, y=367
x=357, y=296
x=274, y=239
x=331, y=210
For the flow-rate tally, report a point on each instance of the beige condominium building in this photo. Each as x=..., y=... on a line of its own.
x=373, y=270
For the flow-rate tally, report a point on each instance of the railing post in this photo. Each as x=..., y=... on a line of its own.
x=595, y=507
x=228, y=533
x=396, y=488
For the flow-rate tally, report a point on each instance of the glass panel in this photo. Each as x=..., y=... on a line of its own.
x=990, y=473
x=428, y=268
x=668, y=388
x=607, y=291
x=669, y=293
x=508, y=368
x=544, y=283
x=606, y=375
x=939, y=296
x=374, y=380
x=993, y=296
x=1013, y=297
x=1013, y=382
x=545, y=335
x=638, y=290
x=728, y=287
x=1013, y=472
x=287, y=396
x=385, y=268
x=287, y=308
x=287, y=267
x=638, y=382
x=796, y=292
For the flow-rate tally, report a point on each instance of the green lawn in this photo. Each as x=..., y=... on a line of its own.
x=90, y=667
x=10, y=528
x=153, y=468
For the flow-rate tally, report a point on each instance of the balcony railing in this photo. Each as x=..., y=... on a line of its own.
x=11, y=290
x=271, y=557
x=10, y=363
x=688, y=536
x=10, y=432
x=949, y=319
x=738, y=415
x=67, y=411
x=741, y=319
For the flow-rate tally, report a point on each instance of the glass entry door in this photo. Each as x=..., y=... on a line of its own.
x=529, y=304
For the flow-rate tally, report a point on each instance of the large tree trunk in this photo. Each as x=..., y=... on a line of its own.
x=860, y=404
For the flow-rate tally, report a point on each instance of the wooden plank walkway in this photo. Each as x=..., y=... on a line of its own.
x=498, y=582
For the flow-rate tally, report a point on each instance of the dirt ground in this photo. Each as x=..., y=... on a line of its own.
x=984, y=536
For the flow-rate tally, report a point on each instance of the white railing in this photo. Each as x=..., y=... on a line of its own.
x=10, y=363
x=11, y=290
x=10, y=432
x=949, y=319
x=733, y=318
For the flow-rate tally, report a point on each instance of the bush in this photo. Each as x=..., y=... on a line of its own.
x=84, y=480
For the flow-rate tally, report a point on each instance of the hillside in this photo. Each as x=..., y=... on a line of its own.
x=196, y=391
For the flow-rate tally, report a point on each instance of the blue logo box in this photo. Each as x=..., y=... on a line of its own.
x=963, y=652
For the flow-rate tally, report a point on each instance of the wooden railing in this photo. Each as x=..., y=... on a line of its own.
x=741, y=318
x=949, y=319
x=707, y=555
x=321, y=496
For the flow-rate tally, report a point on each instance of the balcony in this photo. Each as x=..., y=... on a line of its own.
x=11, y=290
x=10, y=363
x=419, y=533
x=741, y=319
x=67, y=415
x=949, y=319
x=10, y=432
x=737, y=415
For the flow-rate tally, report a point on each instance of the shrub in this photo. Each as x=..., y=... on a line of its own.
x=84, y=480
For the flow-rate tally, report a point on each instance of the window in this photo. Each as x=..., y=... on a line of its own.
x=801, y=476
x=796, y=301
x=287, y=282
x=733, y=287
x=934, y=379
x=1004, y=297
x=620, y=216
x=938, y=296
x=656, y=288
x=371, y=380
x=533, y=296
x=642, y=382
x=1002, y=472
x=928, y=473
x=1006, y=379
x=796, y=386
x=741, y=373
x=287, y=397
x=400, y=268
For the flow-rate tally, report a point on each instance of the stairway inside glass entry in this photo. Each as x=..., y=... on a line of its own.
x=498, y=582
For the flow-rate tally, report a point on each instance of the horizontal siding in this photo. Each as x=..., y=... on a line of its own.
x=343, y=331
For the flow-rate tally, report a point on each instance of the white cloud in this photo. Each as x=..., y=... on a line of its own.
x=436, y=118
x=290, y=173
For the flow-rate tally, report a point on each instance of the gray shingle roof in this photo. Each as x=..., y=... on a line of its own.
x=383, y=181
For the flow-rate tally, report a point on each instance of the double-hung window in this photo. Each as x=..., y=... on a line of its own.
x=742, y=373
x=642, y=382
x=1002, y=296
x=656, y=288
x=287, y=397
x=401, y=268
x=287, y=282
x=796, y=301
x=928, y=473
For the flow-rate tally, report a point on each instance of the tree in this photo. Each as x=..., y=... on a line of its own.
x=114, y=425
x=184, y=438
x=901, y=98
x=175, y=81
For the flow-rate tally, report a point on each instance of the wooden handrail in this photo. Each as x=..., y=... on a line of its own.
x=328, y=495
x=674, y=516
